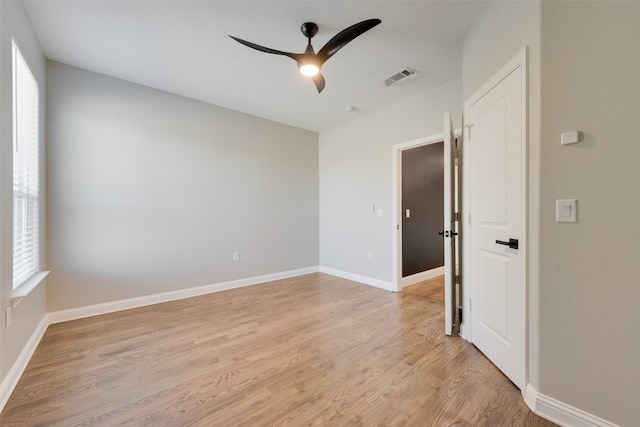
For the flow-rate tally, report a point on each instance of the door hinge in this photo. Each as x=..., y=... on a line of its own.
x=456, y=216
x=469, y=218
x=469, y=126
x=457, y=279
x=470, y=305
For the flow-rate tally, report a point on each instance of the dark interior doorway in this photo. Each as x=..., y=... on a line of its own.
x=422, y=208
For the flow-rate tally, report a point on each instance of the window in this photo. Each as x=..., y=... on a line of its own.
x=26, y=162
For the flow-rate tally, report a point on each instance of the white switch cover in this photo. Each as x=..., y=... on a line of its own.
x=568, y=138
x=408, y=213
x=566, y=210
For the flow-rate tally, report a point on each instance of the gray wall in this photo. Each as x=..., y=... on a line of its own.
x=590, y=271
x=583, y=289
x=26, y=316
x=150, y=192
x=355, y=173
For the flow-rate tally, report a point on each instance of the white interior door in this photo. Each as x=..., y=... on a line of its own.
x=495, y=150
x=451, y=325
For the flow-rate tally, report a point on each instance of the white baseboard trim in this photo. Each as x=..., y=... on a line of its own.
x=126, y=304
x=421, y=277
x=13, y=376
x=387, y=286
x=561, y=413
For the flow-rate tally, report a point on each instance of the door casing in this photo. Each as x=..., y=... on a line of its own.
x=396, y=158
x=398, y=281
x=422, y=204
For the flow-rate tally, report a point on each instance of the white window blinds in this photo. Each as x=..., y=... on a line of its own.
x=26, y=179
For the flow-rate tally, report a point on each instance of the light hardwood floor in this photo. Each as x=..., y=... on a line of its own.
x=432, y=289
x=312, y=350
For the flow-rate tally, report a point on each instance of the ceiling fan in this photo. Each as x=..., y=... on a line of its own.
x=310, y=62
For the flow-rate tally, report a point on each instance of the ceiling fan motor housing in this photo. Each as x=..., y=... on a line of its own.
x=309, y=29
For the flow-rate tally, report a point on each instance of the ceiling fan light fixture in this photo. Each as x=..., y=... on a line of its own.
x=309, y=62
x=309, y=70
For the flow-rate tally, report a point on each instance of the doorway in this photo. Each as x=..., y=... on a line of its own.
x=422, y=184
x=443, y=148
x=418, y=213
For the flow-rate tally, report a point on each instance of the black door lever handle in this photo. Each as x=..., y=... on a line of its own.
x=512, y=243
x=447, y=233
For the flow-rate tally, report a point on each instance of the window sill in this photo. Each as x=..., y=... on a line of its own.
x=25, y=289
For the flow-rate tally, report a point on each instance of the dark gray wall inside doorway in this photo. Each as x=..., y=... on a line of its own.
x=423, y=195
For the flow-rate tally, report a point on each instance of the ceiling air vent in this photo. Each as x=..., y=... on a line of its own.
x=399, y=76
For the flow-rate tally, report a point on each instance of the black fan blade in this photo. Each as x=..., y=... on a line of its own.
x=318, y=79
x=294, y=56
x=345, y=36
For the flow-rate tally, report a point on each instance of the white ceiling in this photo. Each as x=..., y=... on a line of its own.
x=182, y=47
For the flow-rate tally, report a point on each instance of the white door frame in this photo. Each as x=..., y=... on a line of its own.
x=396, y=196
x=396, y=215
x=520, y=60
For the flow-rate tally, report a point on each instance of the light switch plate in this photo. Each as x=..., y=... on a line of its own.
x=568, y=138
x=566, y=210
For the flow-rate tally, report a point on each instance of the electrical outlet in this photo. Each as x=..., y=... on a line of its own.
x=370, y=254
x=236, y=256
x=7, y=317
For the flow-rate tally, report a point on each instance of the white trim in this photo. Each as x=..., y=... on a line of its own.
x=421, y=277
x=518, y=61
x=27, y=287
x=13, y=376
x=126, y=304
x=387, y=286
x=561, y=413
x=463, y=332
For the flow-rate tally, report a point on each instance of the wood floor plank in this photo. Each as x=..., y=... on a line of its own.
x=431, y=288
x=312, y=350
